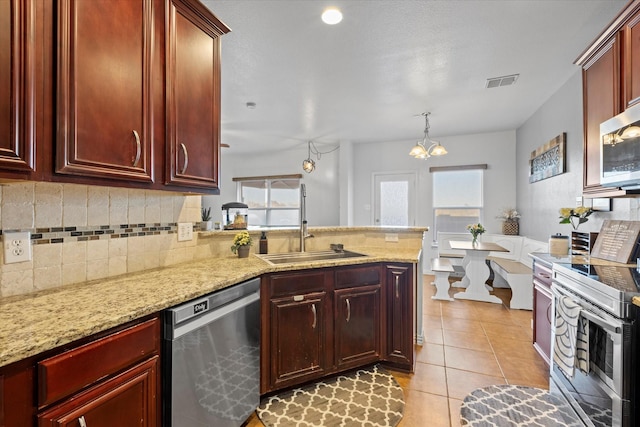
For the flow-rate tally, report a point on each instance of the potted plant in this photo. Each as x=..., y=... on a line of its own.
x=241, y=244
x=207, y=223
x=510, y=224
x=475, y=230
x=575, y=216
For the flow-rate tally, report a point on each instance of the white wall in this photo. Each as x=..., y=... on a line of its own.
x=497, y=150
x=540, y=201
x=323, y=198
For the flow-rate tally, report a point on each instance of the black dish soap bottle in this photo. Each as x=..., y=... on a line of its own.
x=264, y=244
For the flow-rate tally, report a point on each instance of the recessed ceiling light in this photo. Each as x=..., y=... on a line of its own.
x=331, y=16
x=251, y=105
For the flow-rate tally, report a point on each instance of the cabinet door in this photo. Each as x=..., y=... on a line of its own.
x=128, y=399
x=632, y=61
x=298, y=339
x=104, y=88
x=193, y=95
x=357, y=326
x=17, y=84
x=601, y=101
x=17, y=406
x=399, y=288
x=542, y=320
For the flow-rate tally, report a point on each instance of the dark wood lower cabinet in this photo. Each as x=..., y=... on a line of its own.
x=542, y=300
x=125, y=400
x=112, y=379
x=17, y=387
x=400, y=322
x=298, y=338
x=357, y=324
x=323, y=321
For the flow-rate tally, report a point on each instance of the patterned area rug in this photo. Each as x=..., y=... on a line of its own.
x=367, y=397
x=515, y=406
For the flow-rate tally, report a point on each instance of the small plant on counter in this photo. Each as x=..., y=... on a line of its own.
x=475, y=230
x=206, y=214
x=241, y=239
x=575, y=216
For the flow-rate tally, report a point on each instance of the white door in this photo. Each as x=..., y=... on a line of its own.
x=394, y=199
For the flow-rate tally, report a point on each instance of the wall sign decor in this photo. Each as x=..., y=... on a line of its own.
x=548, y=160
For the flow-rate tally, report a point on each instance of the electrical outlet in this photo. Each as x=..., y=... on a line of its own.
x=185, y=231
x=390, y=237
x=17, y=246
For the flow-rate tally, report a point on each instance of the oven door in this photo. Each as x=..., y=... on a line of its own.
x=601, y=397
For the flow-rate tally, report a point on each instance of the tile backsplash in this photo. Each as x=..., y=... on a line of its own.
x=82, y=233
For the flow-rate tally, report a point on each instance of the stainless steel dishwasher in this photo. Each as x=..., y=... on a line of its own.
x=212, y=358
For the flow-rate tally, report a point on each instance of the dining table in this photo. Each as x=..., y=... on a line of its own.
x=476, y=270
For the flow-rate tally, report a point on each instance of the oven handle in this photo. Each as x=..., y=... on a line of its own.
x=600, y=321
x=603, y=323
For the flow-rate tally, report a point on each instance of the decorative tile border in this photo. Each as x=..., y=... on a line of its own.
x=43, y=236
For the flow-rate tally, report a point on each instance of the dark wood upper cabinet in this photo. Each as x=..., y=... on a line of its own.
x=601, y=101
x=193, y=95
x=631, y=61
x=18, y=79
x=111, y=92
x=611, y=83
x=104, y=94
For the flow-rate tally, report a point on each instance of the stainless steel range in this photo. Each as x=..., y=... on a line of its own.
x=603, y=393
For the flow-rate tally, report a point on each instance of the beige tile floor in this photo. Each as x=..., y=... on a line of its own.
x=467, y=345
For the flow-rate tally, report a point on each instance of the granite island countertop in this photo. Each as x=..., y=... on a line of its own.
x=41, y=321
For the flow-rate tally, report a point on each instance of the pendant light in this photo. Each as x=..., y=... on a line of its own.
x=420, y=150
x=308, y=165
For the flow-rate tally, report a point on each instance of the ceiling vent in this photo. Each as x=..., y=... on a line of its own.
x=502, y=81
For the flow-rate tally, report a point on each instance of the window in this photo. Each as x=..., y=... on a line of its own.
x=273, y=200
x=457, y=198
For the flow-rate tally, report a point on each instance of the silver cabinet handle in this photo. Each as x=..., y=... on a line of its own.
x=136, y=159
x=186, y=158
x=348, y=310
x=397, y=291
x=315, y=316
x=82, y=422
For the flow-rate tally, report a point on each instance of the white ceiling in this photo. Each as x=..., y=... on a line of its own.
x=367, y=78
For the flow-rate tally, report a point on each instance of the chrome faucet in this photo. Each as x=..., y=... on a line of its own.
x=304, y=234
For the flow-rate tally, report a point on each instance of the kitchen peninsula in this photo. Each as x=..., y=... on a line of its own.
x=45, y=323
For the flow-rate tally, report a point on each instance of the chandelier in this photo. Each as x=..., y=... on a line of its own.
x=427, y=147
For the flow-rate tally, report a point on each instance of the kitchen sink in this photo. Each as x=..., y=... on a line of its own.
x=297, y=257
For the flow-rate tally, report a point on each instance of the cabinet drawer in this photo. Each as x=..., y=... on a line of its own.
x=297, y=283
x=66, y=373
x=357, y=276
x=542, y=273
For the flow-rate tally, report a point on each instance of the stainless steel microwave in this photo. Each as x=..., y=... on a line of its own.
x=620, y=150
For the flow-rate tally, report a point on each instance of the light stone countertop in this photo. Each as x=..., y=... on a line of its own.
x=37, y=322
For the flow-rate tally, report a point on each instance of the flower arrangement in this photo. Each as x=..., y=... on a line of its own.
x=242, y=238
x=475, y=230
x=509, y=214
x=575, y=216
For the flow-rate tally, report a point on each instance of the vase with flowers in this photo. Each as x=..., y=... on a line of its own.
x=241, y=244
x=510, y=224
x=575, y=216
x=476, y=230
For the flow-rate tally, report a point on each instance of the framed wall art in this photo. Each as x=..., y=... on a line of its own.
x=548, y=160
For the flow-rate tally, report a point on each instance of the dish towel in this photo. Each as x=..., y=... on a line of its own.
x=582, y=345
x=571, y=345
